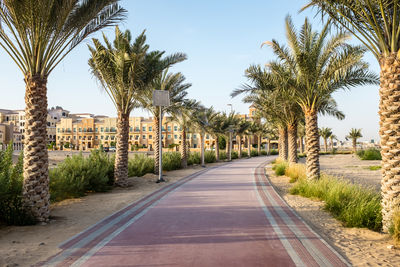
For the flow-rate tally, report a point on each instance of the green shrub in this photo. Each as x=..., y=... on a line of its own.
x=235, y=155
x=12, y=211
x=171, y=161
x=222, y=155
x=394, y=229
x=254, y=153
x=274, y=152
x=139, y=165
x=264, y=153
x=245, y=154
x=374, y=167
x=194, y=158
x=209, y=156
x=301, y=155
x=76, y=176
x=354, y=205
x=369, y=154
x=280, y=168
x=295, y=172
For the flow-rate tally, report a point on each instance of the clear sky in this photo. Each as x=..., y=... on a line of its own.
x=221, y=38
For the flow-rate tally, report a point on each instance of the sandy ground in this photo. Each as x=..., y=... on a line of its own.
x=362, y=247
x=350, y=167
x=27, y=245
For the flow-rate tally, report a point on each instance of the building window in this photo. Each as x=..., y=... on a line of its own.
x=137, y=129
x=144, y=128
x=208, y=136
x=101, y=129
x=80, y=129
x=96, y=137
x=143, y=137
x=175, y=136
x=175, y=128
x=58, y=129
x=131, y=129
x=74, y=130
x=97, y=130
x=169, y=136
x=101, y=137
x=130, y=137
x=58, y=138
x=112, y=137
x=113, y=129
x=194, y=136
x=136, y=137
x=106, y=137
x=84, y=130
x=150, y=137
x=80, y=137
x=150, y=128
x=74, y=137
x=169, y=128
x=163, y=128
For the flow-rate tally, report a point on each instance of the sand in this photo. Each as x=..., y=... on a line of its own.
x=361, y=247
x=351, y=168
x=27, y=245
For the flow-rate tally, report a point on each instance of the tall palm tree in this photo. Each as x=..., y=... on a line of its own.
x=354, y=134
x=125, y=70
x=228, y=127
x=202, y=119
x=183, y=115
x=321, y=65
x=252, y=130
x=332, y=137
x=38, y=35
x=174, y=84
x=325, y=133
x=216, y=129
x=376, y=23
x=241, y=129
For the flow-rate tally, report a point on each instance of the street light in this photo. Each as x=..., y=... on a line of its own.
x=160, y=99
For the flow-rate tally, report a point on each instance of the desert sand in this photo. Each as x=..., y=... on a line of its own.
x=361, y=247
x=27, y=245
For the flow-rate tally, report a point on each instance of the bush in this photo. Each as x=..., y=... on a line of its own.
x=254, y=153
x=264, y=153
x=12, y=211
x=235, y=155
x=274, y=152
x=78, y=175
x=354, y=205
x=245, y=154
x=295, y=172
x=280, y=168
x=301, y=155
x=194, y=158
x=369, y=154
x=222, y=155
x=374, y=167
x=171, y=161
x=395, y=227
x=209, y=156
x=139, y=165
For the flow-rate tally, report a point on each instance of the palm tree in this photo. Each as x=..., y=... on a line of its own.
x=354, y=134
x=325, y=133
x=321, y=66
x=202, y=119
x=241, y=129
x=228, y=127
x=38, y=35
x=174, y=84
x=124, y=71
x=183, y=115
x=252, y=130
x=376, y=24
x=332, y=137
x=216, y=129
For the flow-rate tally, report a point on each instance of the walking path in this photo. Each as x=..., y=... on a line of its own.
x=224, y=216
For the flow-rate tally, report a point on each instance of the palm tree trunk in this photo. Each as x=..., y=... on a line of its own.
x=156, y=144
x=217, y=147
x=332, y=145
x=121, y=155
x=389, y=132
x=269, y=147
x=240, y=147
x=259, y=144
x=249, y=146
x=183, y=148
x=202, y=149
x=292, y=141
x=36, y=195
x=312, y=145
x=301, y=144
x=283, y=143
x=326, y=145
x=354, y=145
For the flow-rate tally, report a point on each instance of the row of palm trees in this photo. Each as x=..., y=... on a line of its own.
x=326, y=133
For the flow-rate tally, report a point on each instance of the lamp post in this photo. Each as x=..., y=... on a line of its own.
x=160, y=99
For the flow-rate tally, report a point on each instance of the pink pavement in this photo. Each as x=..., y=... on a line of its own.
x=224, y=216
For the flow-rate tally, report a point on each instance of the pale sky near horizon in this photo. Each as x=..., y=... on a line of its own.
x=221, y=39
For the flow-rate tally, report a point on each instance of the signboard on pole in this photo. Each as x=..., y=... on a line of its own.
x=161, y=98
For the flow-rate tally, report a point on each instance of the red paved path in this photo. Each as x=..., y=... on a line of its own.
x=225, y=216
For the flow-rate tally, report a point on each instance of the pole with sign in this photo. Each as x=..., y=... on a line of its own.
x=160, y=99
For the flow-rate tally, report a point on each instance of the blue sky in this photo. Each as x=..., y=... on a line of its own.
x=221, y=38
